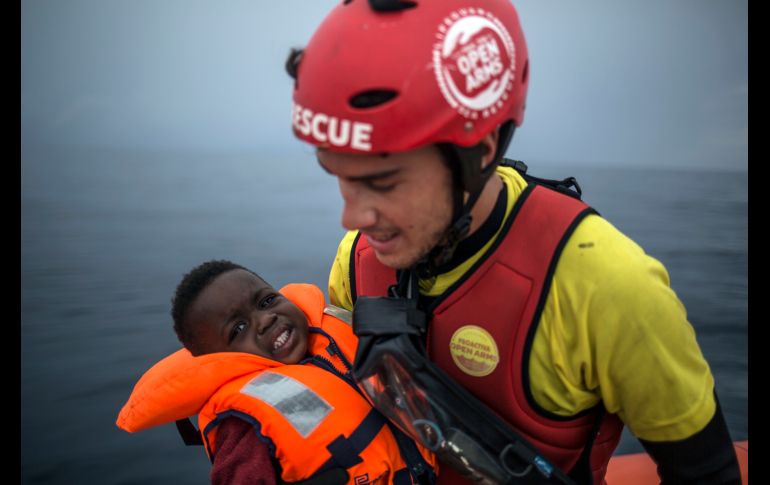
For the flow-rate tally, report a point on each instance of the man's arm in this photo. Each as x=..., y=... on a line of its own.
x=707, y=457
x=339, y=275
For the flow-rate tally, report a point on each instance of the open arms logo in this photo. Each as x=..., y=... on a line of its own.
x=474, y=62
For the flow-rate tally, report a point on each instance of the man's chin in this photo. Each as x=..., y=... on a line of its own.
x=396, y=261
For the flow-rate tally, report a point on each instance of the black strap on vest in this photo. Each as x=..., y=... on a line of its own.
x=564, y=186
x=421, y=472
x=190, y=435
x=582, y=472
x=345, y=451
x=402, y=477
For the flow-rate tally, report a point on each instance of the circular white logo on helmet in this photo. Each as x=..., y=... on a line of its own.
x=474, y=62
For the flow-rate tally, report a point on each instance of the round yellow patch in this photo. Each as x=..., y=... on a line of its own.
x=474, y=350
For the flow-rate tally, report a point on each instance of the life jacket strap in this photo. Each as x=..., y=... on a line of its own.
x=190, y=435
x=418, y=471
x=402, y=477
x=346, y=451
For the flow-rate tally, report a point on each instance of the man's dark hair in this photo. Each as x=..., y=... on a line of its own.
x=192, y=284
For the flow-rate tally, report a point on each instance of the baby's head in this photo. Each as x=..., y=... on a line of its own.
x=220, y=306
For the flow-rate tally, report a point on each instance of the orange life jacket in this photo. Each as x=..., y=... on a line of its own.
x=311, y=414
x=504, y=294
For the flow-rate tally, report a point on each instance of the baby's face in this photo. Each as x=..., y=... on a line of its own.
x=238, y=312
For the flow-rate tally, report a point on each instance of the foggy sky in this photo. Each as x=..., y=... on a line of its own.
x=635, y=82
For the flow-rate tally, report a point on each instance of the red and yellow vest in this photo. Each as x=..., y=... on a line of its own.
x=495, y=309
x=310, y=414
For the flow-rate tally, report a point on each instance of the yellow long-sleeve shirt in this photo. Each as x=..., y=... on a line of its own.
x=612, y=329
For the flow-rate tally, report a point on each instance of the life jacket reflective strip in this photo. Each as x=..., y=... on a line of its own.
x=504, y=294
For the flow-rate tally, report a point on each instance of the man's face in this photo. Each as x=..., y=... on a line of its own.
x=402, y=203
x=238, y=312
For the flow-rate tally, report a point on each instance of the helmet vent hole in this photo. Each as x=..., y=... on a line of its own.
x=345, y=2
x=372, y=98
x=391, y=5
x=525, y=73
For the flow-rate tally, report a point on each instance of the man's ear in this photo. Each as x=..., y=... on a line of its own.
x=490, y=144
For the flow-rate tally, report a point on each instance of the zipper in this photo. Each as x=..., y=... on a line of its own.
x=324, y=363
x=334, y=350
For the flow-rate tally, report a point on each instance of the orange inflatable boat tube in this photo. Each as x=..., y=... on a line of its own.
x=639, y=469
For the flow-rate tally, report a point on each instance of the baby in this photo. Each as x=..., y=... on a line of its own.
x=268, y=374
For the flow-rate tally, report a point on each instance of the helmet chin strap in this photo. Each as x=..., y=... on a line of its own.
x=468, y=177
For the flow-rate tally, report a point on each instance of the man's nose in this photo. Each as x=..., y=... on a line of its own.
x=358, y=211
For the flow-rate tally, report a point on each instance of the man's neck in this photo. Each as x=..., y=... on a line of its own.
x=483, y=207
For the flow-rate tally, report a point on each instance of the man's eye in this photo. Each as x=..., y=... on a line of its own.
x=237, y=329
x=267, y=301
x=380, y=187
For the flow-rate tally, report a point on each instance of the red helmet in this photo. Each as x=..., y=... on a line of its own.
x=390, y=76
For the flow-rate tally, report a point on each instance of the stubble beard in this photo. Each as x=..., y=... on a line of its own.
x=410, y=259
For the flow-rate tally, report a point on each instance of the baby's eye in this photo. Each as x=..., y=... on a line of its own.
x=236, y=330
x=267, y=301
